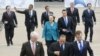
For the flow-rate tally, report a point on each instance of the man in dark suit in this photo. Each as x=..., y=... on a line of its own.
x=45, y=15
x=89, y=20
x=10, y=22
x=60, y=48
x=32, y=47
x=65, y=25
x=80, y=47
x=30, y=19
x=73, y=12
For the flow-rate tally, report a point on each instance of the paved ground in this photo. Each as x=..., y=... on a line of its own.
x=20, y=33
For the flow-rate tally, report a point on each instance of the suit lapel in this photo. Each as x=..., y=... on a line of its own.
x=89, y=13
x=84, y=45
x=77, y=46
x=68, y=21
x=63, y=21
x=37, y=48
x=30, y=49
x=58, y=47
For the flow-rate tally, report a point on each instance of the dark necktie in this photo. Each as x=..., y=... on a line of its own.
x=61, y=47
x=81, y=47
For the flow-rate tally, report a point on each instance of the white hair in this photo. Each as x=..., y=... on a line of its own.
x=34, y=33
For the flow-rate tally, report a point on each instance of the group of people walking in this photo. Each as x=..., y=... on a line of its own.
x=59, y=36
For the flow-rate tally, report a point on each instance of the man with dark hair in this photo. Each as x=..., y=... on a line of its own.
x=73, y=12
x=65, y=25
x=89, y=20
x=30, y=19
x=60, y=48
x=80, y=47
x=10, y=22
x=45, y=15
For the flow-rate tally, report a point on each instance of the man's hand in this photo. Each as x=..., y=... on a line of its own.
x=5, y=22
x=16, y=26
x=57, y=53
x=78, y=23
x=94, y=23
x=36, y=26
x=64, y=30
x=83, y=22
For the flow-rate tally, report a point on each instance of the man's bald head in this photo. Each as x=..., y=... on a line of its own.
x=34, y=36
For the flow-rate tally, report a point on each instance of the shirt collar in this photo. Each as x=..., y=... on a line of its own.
x=32, y=42
x=65, y=17
x=80, y=41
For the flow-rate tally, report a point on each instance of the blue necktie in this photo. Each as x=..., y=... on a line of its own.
x=81, y=47
x=62, y=47
x=66, y=21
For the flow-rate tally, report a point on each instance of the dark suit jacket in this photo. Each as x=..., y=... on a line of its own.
x=74, y=15
x=12, y=21
x=86, y=47
x=45, y=17
x=30, y=21
x=62, y=25
x=27, y=51
x=56, y=47
x=88, y=18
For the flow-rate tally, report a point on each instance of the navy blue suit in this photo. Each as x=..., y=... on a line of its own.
x=83, y=52
x=88, y=19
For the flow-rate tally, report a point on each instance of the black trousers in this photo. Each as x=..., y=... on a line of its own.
x=74, y=30
x=69, y=36
x=9, y=33
x=87, y=28
x=48, y=0
x=29, y=29
x=48, y=43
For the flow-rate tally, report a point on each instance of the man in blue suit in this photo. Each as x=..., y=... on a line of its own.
x=80, y=47
x=89, y=20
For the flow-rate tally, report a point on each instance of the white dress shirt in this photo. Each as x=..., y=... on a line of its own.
x=79, y=44
x=33, y=46
x=31, y=13
x=66, y=20
x=89, y=11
